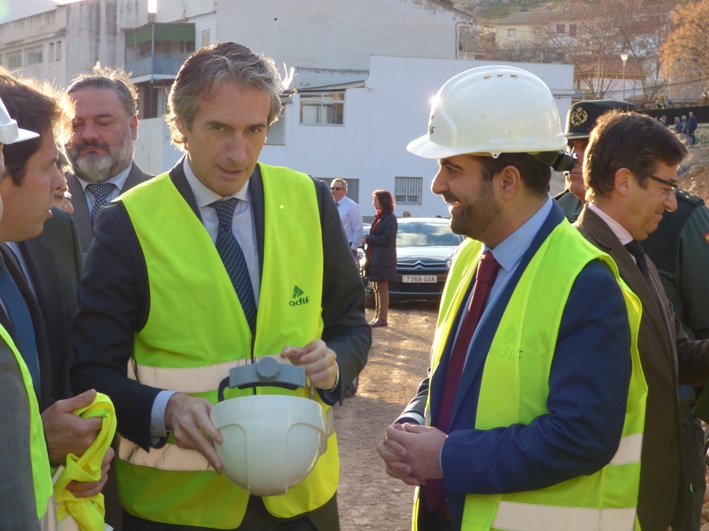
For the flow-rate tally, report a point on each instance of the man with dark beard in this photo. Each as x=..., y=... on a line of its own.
x=100, y=150
x=534, y=405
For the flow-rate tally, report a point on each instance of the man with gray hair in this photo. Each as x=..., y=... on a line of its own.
x=350, y=214
x=215, y=264
x=100, y=150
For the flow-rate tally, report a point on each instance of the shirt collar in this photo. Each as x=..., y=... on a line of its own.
x=509, y=251
x=118, y=180
x=620, y=232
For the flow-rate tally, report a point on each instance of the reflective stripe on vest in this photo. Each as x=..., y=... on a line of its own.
x=188, y=346
x=600, y=497
x=41, y=474
x=191, y=380
x=526, y=517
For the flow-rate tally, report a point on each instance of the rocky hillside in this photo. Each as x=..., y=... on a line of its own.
x=694, y=172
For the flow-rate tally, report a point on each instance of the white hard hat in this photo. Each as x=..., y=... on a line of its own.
x=9, y=132
x=491, y=109
x=270, y=442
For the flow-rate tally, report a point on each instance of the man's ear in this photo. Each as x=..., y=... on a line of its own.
x=624, y=179
x=509, y=181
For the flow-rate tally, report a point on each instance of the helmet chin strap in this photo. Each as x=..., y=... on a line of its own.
x=559, y=160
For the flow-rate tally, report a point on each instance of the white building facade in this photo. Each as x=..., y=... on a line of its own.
x=365, y=71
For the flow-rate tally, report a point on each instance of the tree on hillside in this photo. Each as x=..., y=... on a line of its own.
x=604, y=30
x=591, y=35
x=685, y=62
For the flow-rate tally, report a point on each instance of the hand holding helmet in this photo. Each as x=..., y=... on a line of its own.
x=319, y=362
x=188, y=418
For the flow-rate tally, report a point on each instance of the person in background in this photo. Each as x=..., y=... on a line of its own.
x=692, y=129
x=100, y=150
x=406, y=214
x=217, y=233
x=679, y=249
x=350, y=214
x=630, y=172
x=534, y=403
x=580, y=120
x=380, y=264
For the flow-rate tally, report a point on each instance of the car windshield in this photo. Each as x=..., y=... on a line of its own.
x=425, y=234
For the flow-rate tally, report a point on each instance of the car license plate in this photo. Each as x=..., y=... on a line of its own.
x=423, y=279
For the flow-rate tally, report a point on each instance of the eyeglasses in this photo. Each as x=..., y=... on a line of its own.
x=338, y=188
x=672, y=192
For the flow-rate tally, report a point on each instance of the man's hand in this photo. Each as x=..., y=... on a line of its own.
x=188, y=419
x=319, y=362
x=412, y=453
x=88, y=489
x=66, y=432
x=394, y=456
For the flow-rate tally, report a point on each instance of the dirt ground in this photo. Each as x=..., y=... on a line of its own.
x=368, y=498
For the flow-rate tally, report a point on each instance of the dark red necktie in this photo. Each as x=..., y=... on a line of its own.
x=434, y=490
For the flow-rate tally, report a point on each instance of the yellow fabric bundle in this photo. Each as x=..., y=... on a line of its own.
x=88, y=513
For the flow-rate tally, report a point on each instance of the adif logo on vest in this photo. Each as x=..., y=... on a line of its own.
x=298, y=298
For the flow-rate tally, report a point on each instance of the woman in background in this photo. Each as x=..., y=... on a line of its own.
x=380, y=266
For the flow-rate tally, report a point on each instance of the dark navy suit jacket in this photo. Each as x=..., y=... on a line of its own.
x=587, y=394
x=114, y=305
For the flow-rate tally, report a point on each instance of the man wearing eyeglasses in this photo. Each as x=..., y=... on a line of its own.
x=630, y=173
x=350, y=214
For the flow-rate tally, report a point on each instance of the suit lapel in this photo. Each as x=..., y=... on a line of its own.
x=81, y=214
x=599, y=233
x=255, y=183
x=477, y=354
x=44, y=358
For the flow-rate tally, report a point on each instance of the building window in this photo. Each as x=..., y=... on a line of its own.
x=560, y=28
x=14, y=60
x=572, y=29
x=408, y=190
x=34, y=56
x=59, y=50
x=206, y=38
x=511, y=32
x=51, y=52
x=327, y=108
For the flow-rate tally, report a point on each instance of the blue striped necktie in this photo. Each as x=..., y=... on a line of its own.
x=233, y=257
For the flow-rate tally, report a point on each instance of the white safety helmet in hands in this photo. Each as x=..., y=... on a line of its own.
x=9, y=131
x=270, y=442
x=492, y=109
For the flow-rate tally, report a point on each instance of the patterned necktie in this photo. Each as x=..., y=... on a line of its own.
x=638, y=252
x=434, y=490
x=21, y=319
x=101, y=193
x=233, y=257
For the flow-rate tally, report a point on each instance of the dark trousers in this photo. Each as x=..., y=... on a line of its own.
x=432, y=521
x=694, y=465
x=257, y=518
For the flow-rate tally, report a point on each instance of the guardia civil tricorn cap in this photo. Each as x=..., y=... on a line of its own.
x=582, y=116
